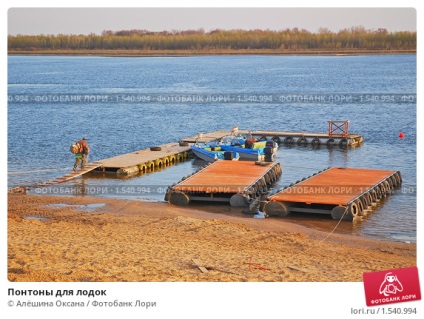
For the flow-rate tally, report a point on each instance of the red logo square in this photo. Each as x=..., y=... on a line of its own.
x=391, y=286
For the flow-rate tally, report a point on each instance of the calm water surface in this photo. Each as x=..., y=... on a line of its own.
x=39, y=134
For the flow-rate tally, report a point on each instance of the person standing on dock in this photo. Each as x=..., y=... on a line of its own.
x=82, y=155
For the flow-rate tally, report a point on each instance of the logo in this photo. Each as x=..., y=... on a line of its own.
x=391, y=286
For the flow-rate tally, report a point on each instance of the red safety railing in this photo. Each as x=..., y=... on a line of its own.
x=338, y=127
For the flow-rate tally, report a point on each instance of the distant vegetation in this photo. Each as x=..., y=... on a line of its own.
x=289, y=40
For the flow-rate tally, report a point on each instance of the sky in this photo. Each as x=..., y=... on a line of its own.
x=32, y=21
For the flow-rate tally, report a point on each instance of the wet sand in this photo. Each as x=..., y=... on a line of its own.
x=82, y=239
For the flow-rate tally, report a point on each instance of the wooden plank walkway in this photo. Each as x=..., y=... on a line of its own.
x=237, y=182
x=146, y=160
x=348, y=191
x=88, y=168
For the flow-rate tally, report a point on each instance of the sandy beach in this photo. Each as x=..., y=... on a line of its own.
x=83, y=239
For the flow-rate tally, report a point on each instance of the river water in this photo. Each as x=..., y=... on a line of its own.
x=127, y=104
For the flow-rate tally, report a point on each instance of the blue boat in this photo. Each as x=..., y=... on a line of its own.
x=249, y=149
x=211, y=153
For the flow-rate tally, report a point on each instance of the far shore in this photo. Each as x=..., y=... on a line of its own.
x=176, y=53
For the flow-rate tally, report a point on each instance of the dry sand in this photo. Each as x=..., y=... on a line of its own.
x=157, y=242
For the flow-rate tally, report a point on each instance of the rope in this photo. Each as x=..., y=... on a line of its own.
x=328, y=235
x=266, y=267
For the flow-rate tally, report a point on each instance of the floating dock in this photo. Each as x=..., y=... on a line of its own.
x=147, y=160
x=337, y=135
x=312, y=139
x=344, y=193
x=158, y=157
x=236, y=182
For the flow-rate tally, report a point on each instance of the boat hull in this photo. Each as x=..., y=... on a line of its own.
x=212, y=156
x=245, y=153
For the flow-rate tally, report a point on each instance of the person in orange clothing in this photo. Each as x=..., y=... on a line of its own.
x=82, y=155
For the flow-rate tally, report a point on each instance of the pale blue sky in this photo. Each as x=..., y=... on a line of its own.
x=94, y=20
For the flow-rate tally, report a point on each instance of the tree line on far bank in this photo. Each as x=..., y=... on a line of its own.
x=355, y=38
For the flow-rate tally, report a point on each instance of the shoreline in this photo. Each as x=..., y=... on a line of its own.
x=187, y=53
x=65, y=238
